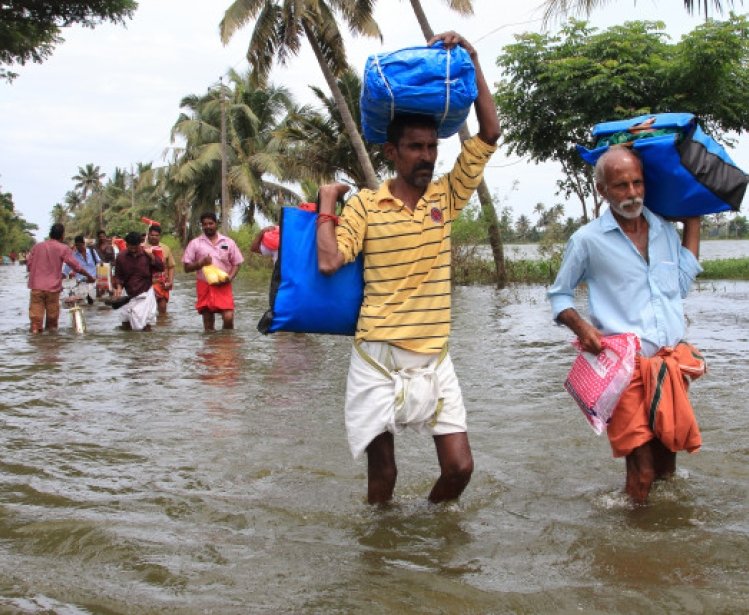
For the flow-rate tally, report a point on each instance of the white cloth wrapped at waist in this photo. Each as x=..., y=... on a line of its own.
x=140, y=310
x=389, y=393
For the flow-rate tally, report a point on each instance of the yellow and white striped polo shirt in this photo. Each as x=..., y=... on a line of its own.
x=407, y=256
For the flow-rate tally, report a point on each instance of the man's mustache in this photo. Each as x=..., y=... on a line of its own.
x=424, y=166
x=637, y=201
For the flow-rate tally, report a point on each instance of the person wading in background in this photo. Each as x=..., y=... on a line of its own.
x=213, y=248
x=44, y=264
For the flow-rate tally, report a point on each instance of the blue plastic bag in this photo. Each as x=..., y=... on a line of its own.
x=427, y=80
x=686, y=172
x=302, y=299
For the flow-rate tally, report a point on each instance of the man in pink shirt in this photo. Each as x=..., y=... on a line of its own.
x=213, y=248
x=44, y=265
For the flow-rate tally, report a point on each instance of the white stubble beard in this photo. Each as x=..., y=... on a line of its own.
x=623, y=208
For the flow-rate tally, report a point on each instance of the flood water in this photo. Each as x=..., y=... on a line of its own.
x=183, y=472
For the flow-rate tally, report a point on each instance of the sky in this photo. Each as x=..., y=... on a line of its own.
x=110, y=95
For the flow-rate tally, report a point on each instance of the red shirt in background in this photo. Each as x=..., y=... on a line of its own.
x=45, y=262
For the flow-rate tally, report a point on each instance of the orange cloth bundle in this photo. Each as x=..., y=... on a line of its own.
x=656, y=403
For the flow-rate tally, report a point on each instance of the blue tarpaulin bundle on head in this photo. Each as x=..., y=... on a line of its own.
x=422, y=80
x=687, y=173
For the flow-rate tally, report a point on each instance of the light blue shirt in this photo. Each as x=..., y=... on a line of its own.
x=627, y=294
x=88, y=262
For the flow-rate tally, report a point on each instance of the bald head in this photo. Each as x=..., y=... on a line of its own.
x=614, y=156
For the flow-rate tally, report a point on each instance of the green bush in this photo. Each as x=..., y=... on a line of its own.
x=243, y=237
x=726, y=269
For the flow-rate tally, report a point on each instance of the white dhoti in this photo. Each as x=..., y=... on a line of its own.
x=140, y=310
x=389, y=389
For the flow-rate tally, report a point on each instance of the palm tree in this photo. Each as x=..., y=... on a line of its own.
x=316, y=143
x=523, y=227
x=253, y=117
x=73, y=201
x=540, y=210
x=88, y=179
x=465, y=7
x=59, y=214
x=280, y=26
x=554, y=8
x=252, y=114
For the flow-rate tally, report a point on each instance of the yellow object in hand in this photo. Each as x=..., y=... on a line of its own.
x=214, y=275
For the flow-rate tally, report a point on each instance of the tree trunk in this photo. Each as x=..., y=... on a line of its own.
x=357, y=143
x=488, y=213
x=225, y=205
x=421, y=17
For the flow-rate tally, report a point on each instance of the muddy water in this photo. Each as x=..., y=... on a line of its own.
x=179, y=472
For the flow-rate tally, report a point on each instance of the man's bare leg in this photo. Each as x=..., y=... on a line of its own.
x=456, y=466
x=209, y=321
x=381, y=469
x=640, y=473
x=228, y=317
x=664, y=460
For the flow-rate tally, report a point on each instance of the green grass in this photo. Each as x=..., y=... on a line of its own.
x=725, y=269
x=469, y=271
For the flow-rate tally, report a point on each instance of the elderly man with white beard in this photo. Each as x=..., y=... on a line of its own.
x=637, y=271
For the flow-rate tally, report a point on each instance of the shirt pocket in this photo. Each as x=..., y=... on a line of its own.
x=666, y=277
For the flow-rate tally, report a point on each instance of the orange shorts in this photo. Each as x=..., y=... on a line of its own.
x=160, y=291
x=44, y=302
x=214, y=297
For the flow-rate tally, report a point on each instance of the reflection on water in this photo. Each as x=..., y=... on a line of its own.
x=220, y=360
x=185, y=472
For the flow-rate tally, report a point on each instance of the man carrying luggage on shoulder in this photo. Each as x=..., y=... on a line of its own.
x=638, y=272
x=403, y=230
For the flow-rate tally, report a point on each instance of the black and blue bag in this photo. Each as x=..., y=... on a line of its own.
x=427, y=80
x=303, y=300
x=687, y=173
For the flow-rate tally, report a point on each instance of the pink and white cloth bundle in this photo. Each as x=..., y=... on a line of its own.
x=596, y=382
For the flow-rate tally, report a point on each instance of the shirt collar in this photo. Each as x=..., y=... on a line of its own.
x=219, y=238
x=383, y=194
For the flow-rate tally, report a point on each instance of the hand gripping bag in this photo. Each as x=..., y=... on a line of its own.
x=302, y=299
x=596, y=382
x=427, y=80
x=686, y=172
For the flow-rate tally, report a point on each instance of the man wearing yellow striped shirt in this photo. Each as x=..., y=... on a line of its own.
x=400, y=373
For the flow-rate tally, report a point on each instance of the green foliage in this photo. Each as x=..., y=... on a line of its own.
x=726, y=269
x=255, y=165
x=562, y=7
x=555, y=87
x=473, y=269
x=468, y=228
x=30, y=29
x=15, y=232
x=243, y=236
x=316, y=143
x=172, y=243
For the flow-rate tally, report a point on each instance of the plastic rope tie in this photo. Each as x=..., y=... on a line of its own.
x=447, y=89
x=387, y=85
